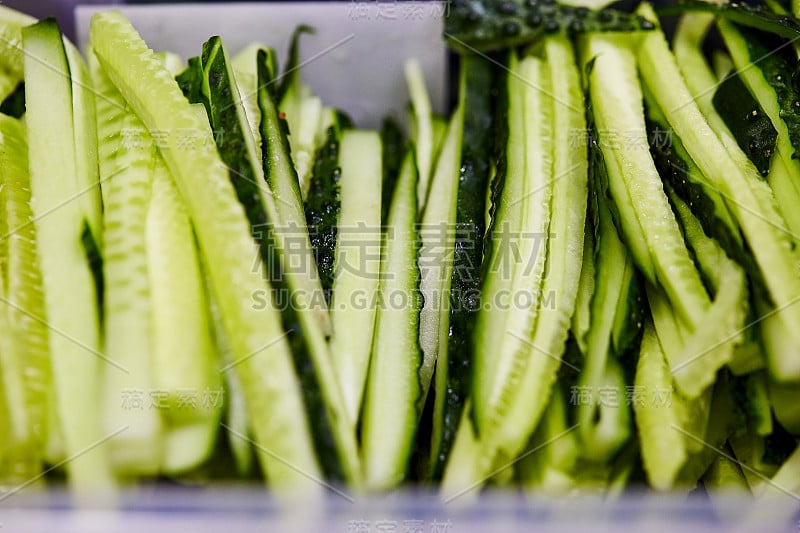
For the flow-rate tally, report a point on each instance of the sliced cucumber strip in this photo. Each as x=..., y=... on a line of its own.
x=85, y=138
x=560, y=286
x=617, y=107
x=185, y=365
x=306, y=289
x=25, y=359
x=554, y=451
x=437, y=238
x=357, y=263
x=663, y=446
x=503, y=355
x=390, y=408
x=70, y=297
x=423, y=128
x=127, y=159
x=261, y=354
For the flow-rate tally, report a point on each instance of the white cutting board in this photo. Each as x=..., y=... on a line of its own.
x=354, y=61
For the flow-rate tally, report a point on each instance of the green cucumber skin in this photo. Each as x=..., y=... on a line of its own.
x=322, y=208
x=778, y=64
x=394, y=146
x=470, y=229
x=290, y=79
x=211, y=83
x=486, y=25
x=14, y=104
x=748, y=123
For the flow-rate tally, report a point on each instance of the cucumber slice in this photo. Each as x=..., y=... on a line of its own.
x=261, y=354
x=616, y=99
x=24, y=357
x=357, y=264
x=560, y=285
x=236, y=423
x=663, y=447
x=553, y=451
x=784, y=399
x=294, y=245
x=614, y=326
x=70, y=297
x=126, y=165
x=751, y=201
x=184, y=362
x=289, y=218
x=390, y=408
x=423, y=128
x=85, y=138
x=503, y=338
x=437, y=239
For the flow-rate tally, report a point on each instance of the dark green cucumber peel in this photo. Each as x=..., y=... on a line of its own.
x=322, y=208
x=393, y=148
x=671, y=161
x=778, y=62
x=750, y=126
x=215, y=93
x=465, y=301
x=291, y=74
x=14, y=104
x=493, y=24
x=498, y=152
x=500, y=133
x=191, y=81
x=266, y=82
x=758, y=16
x=95, y=260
